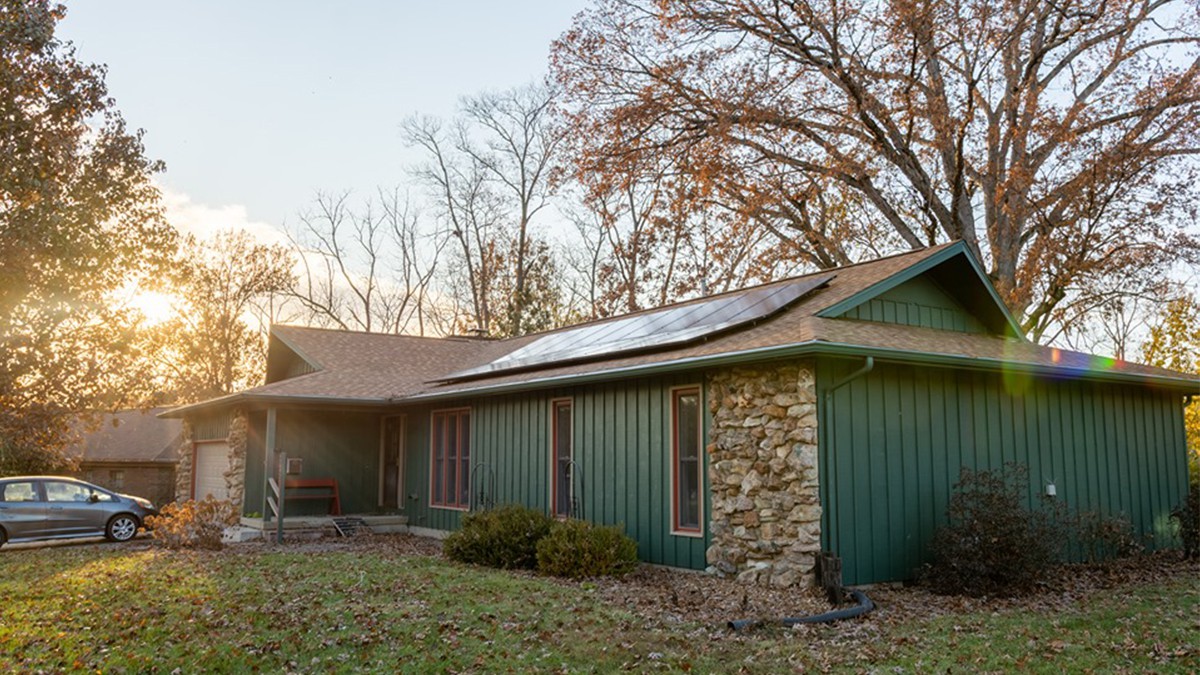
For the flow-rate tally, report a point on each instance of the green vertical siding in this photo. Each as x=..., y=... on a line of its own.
x=339, y=445
x=621, y=445
x=211, y=426
x=918, y=302
x=893, y=442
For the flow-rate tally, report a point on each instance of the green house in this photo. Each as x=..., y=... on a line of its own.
x=742, y=433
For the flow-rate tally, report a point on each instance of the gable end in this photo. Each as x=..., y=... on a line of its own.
x=285, y=361
x=918, y=302
x=950, y=281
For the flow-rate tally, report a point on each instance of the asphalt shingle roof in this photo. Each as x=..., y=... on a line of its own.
x=368, y=367
x=130, y=436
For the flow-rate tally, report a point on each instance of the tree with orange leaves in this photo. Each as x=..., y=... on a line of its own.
x=1057, y=140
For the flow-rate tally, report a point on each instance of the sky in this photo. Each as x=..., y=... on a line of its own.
x=257, y=106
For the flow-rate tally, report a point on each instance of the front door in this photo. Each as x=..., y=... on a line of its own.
x=392, y=463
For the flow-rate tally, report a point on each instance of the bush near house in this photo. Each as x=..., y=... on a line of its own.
x=193, y=524
x=578, y=549
x=517, y=537
x=1187, y=518
x=1103, y=539
x=504, y=537
x=993, y=545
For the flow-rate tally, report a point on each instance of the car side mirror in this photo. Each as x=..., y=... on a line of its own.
x=94, y=498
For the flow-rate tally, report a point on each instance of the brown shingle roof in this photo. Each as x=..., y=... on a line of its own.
x=130, y=436
x=366, y=367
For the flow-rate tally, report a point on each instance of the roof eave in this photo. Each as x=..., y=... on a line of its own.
x=812, y=348
x=251, y=399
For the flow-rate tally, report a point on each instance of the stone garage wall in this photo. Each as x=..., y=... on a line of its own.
x=235, y=477
x=183, y=470
x=766, y=508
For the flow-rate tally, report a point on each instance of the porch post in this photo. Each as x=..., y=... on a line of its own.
x=268, y=454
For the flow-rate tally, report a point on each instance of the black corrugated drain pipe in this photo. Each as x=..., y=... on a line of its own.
x=862, y=606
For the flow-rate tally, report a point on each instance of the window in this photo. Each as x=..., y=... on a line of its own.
x=451, y=459
x=686, y=480
x=116, y=480
x=561, y=494
x=18, y=492
x=66, y=492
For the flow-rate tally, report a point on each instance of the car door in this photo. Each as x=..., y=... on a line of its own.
x=22, y=509
x=70, y=508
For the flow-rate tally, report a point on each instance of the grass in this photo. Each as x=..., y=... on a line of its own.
x=114, y=609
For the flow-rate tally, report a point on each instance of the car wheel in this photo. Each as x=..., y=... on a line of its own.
x=3, y=536
x=122, y=527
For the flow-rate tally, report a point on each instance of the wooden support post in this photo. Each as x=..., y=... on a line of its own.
x=282, y=462
x=829, y=576
x=268, y=456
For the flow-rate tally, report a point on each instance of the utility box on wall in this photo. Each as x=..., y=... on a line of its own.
x=295, y=466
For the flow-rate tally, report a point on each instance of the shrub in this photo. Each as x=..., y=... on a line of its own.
x=1106, y=538
x=193, y=524
x=993, y=545
x=504, y=537
x=578, y=549
x=1187, y=518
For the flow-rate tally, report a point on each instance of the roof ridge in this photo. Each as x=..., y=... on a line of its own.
x=743, y=289
x=344, y=331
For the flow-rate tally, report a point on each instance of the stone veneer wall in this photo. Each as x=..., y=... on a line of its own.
x=183, y=470
x=235, y=477
x=762, y=452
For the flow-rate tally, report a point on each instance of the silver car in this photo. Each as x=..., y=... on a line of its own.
x=57, y=507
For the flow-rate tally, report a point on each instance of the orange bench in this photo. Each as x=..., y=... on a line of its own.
x=293, y=486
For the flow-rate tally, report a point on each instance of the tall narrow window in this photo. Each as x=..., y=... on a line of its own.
x=450, y=462
x=561, y=495
x=685, y=455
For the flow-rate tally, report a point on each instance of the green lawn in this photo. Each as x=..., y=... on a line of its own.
x=137, y=609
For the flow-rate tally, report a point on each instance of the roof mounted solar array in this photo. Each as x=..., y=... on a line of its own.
x=668, y=327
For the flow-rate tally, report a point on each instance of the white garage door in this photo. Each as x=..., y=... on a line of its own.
x=212, y=461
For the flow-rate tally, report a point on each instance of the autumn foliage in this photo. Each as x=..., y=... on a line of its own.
x=193, y=524
x=1053, y=138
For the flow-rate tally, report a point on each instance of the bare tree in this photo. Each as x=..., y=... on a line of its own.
x=517, y=149
x=489, y=174
x=366, y=268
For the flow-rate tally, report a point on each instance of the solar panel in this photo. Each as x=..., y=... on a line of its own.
x=651, y=330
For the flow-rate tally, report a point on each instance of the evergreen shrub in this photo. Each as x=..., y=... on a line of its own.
x=578, y=549
x=504, y=537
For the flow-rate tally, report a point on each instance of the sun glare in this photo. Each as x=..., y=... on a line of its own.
x=155, y=307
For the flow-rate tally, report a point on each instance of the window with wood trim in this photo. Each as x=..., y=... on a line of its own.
x=450, y=459
x=687, y=497
x=561, y=493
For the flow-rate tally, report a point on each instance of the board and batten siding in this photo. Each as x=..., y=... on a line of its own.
x=621, y=439
x=893, y=442
x=333, y=444
x=213, y=426
x=918, y=302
